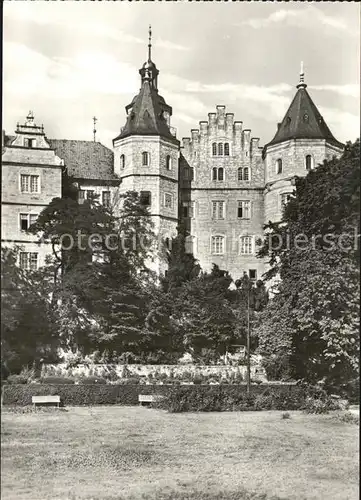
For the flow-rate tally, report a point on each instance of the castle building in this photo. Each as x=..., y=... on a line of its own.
x=219, y=183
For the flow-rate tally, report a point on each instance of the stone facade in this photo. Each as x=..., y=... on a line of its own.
x=31, y=178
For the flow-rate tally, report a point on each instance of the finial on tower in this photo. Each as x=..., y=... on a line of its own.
x=94, y=129
x=150, y=44
x=301, y=83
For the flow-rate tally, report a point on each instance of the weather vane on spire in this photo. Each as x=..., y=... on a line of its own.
x=94, y=129
x=150, y=43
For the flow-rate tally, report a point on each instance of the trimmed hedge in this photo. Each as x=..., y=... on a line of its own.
x=99, y=394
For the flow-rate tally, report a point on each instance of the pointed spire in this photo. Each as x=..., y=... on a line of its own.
x=301, y=84
x=150, y=44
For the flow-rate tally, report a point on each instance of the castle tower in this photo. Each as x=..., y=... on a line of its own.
x=302, y=141
x=146, y=153
x=221, y=189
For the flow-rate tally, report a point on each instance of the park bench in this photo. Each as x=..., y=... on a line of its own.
x=148, y=398
x=46, y=400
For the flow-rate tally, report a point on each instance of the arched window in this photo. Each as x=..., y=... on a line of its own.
x=168, y=162
x=279, y=166
x=246, y=174
x=226, y=149
x=240, y=174
x=145, y=159
x=122, y=161
x=220, y=149
x=309, y=162
x=214, y=149
x=220, y=174
x=214, y=174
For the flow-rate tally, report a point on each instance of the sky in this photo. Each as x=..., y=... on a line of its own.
x=69, y=61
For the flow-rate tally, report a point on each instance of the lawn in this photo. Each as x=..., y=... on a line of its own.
x=141, y=453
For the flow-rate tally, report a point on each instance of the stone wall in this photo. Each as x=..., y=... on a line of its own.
x=146, y=370
x=244, y=151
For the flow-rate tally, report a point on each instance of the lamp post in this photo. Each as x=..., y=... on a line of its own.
x=248, y=344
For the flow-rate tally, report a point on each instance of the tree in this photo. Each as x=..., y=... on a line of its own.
x=312, y=322
x=28, y=321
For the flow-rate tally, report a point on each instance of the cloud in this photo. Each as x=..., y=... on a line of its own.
x=351, y=90
x=41, y=15
x=300, y=17
x=344, y=125
x=30, y=73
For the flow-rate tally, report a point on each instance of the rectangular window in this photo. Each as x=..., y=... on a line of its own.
x=188, y=209
x=106, y=198
x=246, y=245
x=145, y=198
x=30, y=143
x=217, y=245
x=29, y=260
x=253, y=274
x=285, y=198
x=145, y=159
x=26, y=220
x=89, y=193
x=217, y=210
x=168, y=200
x=244, y=209
x=29, y=183
x=81, y=196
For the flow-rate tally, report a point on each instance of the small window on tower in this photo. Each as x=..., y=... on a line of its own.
x=168, y=162
x=246, y=174
x=220, y=174
x=226, y=149
x=309, y=162
x=214, y=149
x=214, y=174
x=145, y=198
x=279, y=166
x=145, y=159
x=220, y=149
x=122, y=161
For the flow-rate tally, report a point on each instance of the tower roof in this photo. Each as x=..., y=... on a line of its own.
x=148, y=113
x=303, y=120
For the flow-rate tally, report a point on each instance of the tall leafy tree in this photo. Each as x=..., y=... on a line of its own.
x=312, y=322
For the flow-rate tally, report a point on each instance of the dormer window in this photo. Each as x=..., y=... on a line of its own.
x=279, y=166
x=305, y=117
x=168, y=162
x=145, y=159
x=30, y=143
x=122, y=161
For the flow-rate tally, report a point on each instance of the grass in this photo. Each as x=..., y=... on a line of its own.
x=109, y=453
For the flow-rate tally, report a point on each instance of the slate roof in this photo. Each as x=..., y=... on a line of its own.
x=303, y=121
x=146, y=115
x=85, y=159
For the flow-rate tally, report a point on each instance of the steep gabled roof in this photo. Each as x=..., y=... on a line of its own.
x=146, y=114
x=303, y=121
x=85, y=159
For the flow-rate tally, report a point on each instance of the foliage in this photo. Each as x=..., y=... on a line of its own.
x=127, y=394
x=17, y=379
x=26, y=337
x=313, y=320
x=57, y=380
x=92, y=380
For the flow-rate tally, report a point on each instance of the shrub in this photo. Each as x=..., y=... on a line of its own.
x=57, y=380
x=276, y=367
x=319, y=405
x=92, y=380
x=111, y=375
x=130, y=381
x=285, y=416
x=17, y=379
